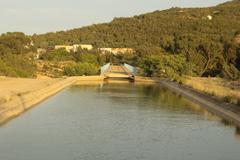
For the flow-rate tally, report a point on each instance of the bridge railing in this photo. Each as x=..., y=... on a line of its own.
x=132, y=69
x=105, y=68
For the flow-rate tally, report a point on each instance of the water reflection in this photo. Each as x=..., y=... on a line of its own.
x=118, y=121
x=153, y=96
x=150, y=96
x=226, y=122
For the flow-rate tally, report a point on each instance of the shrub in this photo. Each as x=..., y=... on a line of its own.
x=6, y=70
x=228, y=99
x=87, y=57
x=150, y=65
x=80, y=69
x=17, y=66
x=213, y=93
x=238, y=102
x=172, y=66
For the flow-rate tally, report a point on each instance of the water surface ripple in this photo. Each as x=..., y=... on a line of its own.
x=118, y=122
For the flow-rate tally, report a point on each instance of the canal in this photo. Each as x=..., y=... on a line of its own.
x=118, y=122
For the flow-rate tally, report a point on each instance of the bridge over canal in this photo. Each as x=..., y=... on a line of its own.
x=124, y=71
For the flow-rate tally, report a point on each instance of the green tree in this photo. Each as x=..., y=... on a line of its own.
x=81, y=68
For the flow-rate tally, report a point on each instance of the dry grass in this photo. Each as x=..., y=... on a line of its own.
x=227, y=91
x=15, y=87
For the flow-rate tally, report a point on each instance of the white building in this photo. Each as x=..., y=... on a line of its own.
x=105, y=50
x=74, y=47
x=82, y=46
x=86, y=46
x=116, y=51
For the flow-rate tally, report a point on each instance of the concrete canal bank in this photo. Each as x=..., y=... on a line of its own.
x=24, y=96
x=227, y=111
x=224, y=110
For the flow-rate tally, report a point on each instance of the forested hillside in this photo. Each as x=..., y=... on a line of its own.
x=16, y=55
x=204, y=40
x=205, y=36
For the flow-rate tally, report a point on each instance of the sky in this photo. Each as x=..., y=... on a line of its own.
x=41, y=16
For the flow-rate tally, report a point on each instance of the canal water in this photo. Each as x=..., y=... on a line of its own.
x=118, y=122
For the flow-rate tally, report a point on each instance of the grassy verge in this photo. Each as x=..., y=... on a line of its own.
x=224, y=90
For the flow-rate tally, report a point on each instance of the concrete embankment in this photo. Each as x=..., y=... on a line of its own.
x=139, y=79
x=85, y=80
x=227, y=111
x=23, y=102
